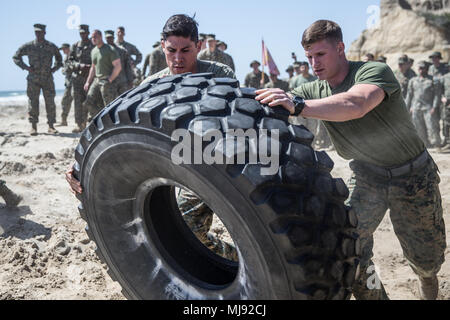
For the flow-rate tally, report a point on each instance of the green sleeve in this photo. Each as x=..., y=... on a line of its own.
x=378, y=74
x=114, y=54
x=17, y=58
x=58, y=58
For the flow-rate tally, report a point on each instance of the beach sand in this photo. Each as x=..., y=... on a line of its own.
x=46, y=253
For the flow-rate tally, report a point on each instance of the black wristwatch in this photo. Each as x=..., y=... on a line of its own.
x=299, y=105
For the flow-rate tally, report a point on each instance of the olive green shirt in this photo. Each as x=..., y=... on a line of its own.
x=103, y=59
x=297, y=81
x=218, y=69
x=386, y=135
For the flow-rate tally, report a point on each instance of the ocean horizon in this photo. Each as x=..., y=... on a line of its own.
x=20, y=98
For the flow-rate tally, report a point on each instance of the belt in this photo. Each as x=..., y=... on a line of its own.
x=408, y=168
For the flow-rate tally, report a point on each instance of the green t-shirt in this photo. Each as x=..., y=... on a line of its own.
x=103, y=59
x=385, y=136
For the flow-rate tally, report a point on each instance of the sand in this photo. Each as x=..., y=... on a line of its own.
x=46, y=253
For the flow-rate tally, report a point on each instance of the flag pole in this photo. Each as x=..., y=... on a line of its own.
x=262, y=61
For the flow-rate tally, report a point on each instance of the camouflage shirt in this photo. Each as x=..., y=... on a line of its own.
x=218, y=69
x=67, y=72
x=438, y=71
x=40, y=57
x=157, y=61
x=297, y=81
x=446, y=86
x=80, y=53
x=424, y=93
x=217, y=56
x=132, y=51
x=403, y=79
x=280, y=84
x=126, y=75
x=253, y=80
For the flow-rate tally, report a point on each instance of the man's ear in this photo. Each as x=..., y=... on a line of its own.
x=341, y=48
x=198, y=46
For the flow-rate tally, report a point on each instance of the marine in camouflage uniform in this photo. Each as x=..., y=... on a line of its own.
x=157, y=61
x=277, y=83
x=437, y=69
x=445, y=89
x=132, y=51
x=423, y=101
x=214, y=54
x=67, y=99
x=391, y=169
x=40, y=54
x=195, y=212
x=80, y=62
x=404, y=74
x=124, y=81
x=253, y=79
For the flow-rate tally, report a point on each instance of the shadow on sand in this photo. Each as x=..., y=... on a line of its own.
x=12, y=224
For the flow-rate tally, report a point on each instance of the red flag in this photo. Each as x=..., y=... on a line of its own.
x=267, y=60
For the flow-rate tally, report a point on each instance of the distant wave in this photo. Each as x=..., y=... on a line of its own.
x=22, y=100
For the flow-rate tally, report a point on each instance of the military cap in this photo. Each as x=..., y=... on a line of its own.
x=109, y=33
x=297, y=64
x=83, y=28
x=64, y=45
x=382, y=59
x=39, y=27
x=436, y=54
x=304, y=63
x=253, y=62
x=403, y=59
x=423, y=64
x=211, y=37
x=202, y=36
x=157, y=43
x=290, y=68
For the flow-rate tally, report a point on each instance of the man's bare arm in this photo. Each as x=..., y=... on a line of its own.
x=116, y=71
x=353, y=104
x=90, y=78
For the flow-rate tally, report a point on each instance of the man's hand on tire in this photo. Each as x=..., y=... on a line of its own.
x=75, y=186
x=275, y=97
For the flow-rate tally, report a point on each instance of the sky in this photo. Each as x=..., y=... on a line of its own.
x=241, y=24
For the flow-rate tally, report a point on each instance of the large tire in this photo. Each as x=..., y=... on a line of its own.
x=295, y=237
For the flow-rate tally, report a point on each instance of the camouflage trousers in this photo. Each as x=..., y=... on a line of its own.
x=66, y=102
x=446, y=128
x=100, y=94
x=415, y=205
x=427, y=126
x=122, y=87
x=34, y=87
x=79, y=98
x=199, y=217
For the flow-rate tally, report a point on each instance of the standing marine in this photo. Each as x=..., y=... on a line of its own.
x=67, y=98
x=80, y=62
x=40, y=54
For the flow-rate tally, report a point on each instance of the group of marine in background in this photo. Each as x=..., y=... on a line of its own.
x=427, y=97
x=426, y=94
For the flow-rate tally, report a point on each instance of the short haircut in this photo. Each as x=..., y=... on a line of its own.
x=181, y=25
x=320, y=30
x=97, y=31
x=121, y=28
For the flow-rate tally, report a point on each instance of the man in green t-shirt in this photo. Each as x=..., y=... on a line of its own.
x=362, y=107
x=105, y=68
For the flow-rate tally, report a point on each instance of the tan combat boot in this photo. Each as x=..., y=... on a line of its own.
x=33, y=129
x=52, y=129
x=11, y=199
x=63, y=121
x=428, y=288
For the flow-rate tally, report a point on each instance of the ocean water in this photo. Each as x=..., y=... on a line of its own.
x=19, y=98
